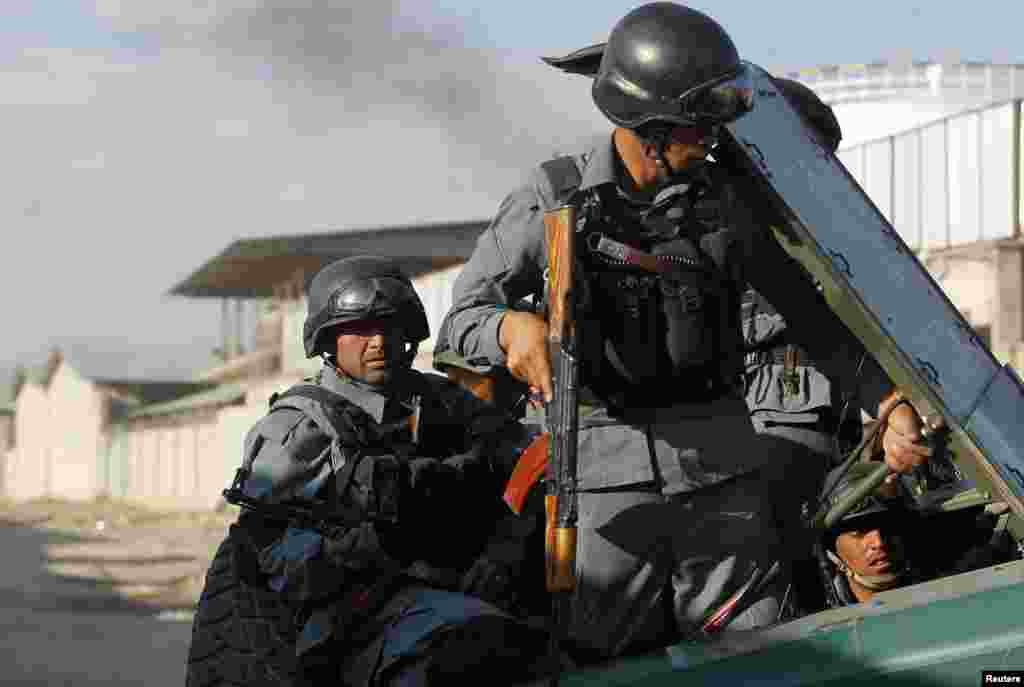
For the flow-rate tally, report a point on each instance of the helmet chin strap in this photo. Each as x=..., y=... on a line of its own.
x=876, y=583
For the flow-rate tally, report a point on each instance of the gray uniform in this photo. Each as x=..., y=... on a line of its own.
x=794, y=400
x=673, y=513
x=804, y=419
x=295, y=456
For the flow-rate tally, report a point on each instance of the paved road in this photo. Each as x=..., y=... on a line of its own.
x=63, y=630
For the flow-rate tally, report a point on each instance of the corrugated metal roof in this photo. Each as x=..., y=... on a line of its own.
x=251, y=268
x=218, y=396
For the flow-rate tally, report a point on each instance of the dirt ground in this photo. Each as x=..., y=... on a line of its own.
x=107, y=553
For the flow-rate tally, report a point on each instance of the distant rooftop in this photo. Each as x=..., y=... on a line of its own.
x=210, y=397
x=251, y=268
x=961, y=82
x=99, y=370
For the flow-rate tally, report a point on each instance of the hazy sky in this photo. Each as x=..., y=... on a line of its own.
x=141, y=138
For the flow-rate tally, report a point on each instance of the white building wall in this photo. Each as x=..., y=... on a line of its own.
x=59, y=439
x=970, y=285
x=293, y=354
x=862, y=122
x=174, y=462
x=28, y=465
x=945, y=183
x=953, y=192
x=435, y=290
x=75, y=438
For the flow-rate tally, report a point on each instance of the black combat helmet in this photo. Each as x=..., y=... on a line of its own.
x=664, y=62
x=872, y=511
x=361, y=288
x=819, y=115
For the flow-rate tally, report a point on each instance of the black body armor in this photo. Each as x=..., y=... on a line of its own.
x=652, y=339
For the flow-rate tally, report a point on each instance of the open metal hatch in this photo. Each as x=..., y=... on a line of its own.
x=877, y=286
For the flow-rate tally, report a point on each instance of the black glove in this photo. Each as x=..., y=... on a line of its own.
x=358, y=549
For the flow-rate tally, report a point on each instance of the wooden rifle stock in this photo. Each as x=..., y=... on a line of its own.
x=562, y=412
x=562, y=424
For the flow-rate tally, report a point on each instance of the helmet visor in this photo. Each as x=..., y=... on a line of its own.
x=718, y=101
x=371, y=297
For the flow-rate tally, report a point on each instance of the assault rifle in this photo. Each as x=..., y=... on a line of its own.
x=562, y=420
x=318, y=516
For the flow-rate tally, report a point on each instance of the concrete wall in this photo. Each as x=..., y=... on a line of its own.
x=969, y=282
x=183, y=461
x=168, y=461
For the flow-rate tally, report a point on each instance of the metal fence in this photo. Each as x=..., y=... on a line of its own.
x=953, y=181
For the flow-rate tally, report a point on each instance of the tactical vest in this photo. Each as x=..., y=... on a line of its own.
x=390, y=473
x=651, y=339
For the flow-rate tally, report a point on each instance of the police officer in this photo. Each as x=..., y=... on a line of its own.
x=672, y=514
x=367, y=512
x=883, y=543
x=865, y=552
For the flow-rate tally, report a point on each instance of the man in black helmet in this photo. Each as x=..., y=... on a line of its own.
x=354, y=561
x=865, y=552
x=887, y=542
x=673, y=517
